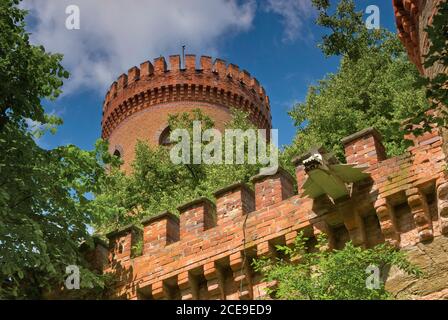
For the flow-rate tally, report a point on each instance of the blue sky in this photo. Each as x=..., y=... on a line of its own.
x=275, y=40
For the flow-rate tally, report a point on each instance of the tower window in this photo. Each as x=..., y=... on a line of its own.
x=164, y=139
x=118, y=151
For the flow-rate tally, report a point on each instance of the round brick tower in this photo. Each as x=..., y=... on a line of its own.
x=137, y=105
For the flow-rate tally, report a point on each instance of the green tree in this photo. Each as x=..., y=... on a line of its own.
x=316, y=273
x=27, y=72
x=374, y=86
x=44, y=194
x=349, y=36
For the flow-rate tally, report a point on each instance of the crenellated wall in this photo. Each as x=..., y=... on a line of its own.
x=137, y=105
x=206, y=252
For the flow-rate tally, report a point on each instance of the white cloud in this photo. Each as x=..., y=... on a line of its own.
x=293, y=13
x=118, y=34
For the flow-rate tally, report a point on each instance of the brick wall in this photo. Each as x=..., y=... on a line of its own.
x=206, y=253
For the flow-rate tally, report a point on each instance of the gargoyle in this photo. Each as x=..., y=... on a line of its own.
x=327, y=176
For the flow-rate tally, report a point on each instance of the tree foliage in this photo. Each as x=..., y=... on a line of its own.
x=44, y=213
x=349, y=36
x=27, y=72
x=44, y=203
x=375, y=85
x=317, y=273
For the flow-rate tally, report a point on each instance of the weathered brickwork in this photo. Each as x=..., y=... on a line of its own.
x=412, y=17
x=137, y=105
x=206, y=253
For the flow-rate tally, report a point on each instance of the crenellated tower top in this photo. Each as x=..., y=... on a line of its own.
x=155, y=83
